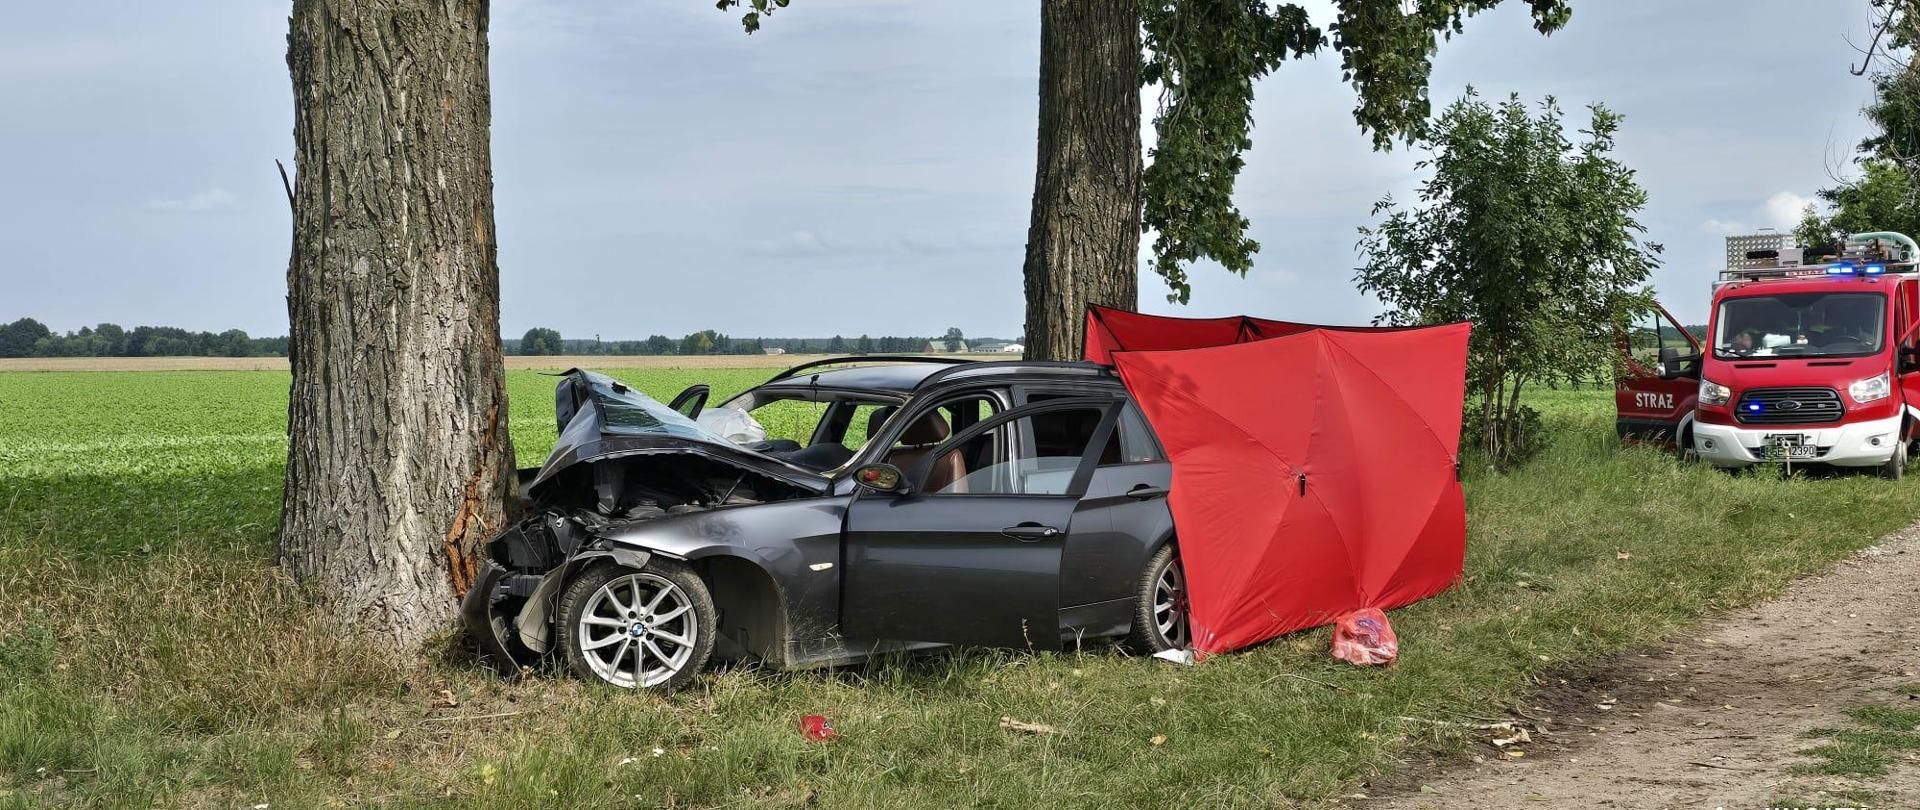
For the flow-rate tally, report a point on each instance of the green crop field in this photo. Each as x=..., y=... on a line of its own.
x=151, y=654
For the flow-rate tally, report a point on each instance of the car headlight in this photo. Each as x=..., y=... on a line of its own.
x=1713, y=393
x=1871, y=388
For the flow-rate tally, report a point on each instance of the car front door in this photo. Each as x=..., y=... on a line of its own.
x=1648, y=406
x=972, y=554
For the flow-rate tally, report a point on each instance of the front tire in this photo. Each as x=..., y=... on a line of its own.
x=1896, y=467
x=1160, y=617
x=646, y=628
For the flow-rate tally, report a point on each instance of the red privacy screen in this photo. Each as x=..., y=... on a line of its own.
x=1313, y=472
x=1113, y=330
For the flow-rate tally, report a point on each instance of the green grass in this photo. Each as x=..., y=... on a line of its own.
x=1881, y=734
x=151, y=654
x=1846, y=766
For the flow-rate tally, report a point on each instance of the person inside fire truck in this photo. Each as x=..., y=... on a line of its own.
x=1801, y=325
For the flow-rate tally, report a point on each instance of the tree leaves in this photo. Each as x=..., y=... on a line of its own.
x=1206, y=55
x=1386, y=51
x=761, y=8
x=1886, y=193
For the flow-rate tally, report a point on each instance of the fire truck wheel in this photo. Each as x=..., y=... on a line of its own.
x=1896, y=466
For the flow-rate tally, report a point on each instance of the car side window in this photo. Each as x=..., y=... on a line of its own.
x=940, y=422
x=793, y=420
x=983, y=465
x=1132, y=441
x=860, y=421
x=1137, y=444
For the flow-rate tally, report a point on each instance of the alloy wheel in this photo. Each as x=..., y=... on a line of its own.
x=1170, y=605
x=638, y=630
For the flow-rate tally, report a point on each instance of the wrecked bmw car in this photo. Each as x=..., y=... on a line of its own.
x=844, y=508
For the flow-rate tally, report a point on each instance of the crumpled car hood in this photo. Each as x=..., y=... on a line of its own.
x=600, y=417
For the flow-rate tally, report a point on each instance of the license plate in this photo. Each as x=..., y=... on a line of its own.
x=1790, y=446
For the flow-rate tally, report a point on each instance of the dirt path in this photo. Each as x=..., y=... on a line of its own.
x=1720, y=723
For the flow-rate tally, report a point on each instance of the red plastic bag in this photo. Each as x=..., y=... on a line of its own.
x=817, y=729
x=1364, y=637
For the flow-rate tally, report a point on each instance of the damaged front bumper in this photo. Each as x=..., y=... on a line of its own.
x=488, y=620
x=510, y=615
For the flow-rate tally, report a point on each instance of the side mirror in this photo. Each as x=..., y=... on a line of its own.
x=882, y=478
x=1909, y=358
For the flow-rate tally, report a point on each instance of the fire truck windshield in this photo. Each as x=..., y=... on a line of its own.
x=1800, y=325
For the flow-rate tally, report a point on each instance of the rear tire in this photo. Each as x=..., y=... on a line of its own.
x=646, y=628
x=1896, y=467
x=1160, y=616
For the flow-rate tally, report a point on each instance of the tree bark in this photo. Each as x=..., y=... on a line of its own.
x=1084, y=240
x=398, y=458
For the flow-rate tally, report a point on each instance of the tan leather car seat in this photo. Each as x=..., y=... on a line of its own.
x=919, y=439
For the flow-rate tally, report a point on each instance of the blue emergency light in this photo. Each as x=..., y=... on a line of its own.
x=1851, y=269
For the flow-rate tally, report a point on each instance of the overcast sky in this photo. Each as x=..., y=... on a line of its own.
x=858, y=166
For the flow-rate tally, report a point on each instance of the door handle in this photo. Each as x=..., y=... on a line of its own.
x=1146, y=492
x=1029, y=532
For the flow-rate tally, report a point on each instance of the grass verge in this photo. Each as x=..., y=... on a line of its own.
x=150, y=654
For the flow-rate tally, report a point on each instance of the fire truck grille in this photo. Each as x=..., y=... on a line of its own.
x=1779, y=406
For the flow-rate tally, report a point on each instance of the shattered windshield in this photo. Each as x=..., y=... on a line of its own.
x=1800, y=325
x=631, y=413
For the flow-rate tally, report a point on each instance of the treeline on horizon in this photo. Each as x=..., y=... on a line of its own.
x=30, y=338
x=27, y=337
x=541, y=341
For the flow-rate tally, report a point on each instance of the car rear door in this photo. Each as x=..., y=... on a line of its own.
x=977, y=560
x=1647, y=407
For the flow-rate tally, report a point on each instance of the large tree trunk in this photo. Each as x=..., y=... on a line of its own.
x=1083, y=244
x=398, y=461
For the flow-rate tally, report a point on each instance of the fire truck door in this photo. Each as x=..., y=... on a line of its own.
x=1906, y=320
x=1649, y=406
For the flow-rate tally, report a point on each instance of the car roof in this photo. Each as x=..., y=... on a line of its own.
x=906, y=375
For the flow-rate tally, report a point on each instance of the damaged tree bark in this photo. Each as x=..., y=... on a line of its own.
x=398, y=458
x=1084, y=241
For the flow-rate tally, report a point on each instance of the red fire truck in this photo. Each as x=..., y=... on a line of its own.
x=1810, y=357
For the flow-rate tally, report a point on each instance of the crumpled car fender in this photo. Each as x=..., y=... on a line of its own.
x=533, y=627
x=535, y=623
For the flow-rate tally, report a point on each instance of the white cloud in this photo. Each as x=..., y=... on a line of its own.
x=1781, y=212
x=1785, y=209
x=199, y=202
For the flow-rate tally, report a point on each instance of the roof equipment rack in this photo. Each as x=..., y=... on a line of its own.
x=1764, y=256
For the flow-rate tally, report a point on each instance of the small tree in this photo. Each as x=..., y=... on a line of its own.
x=698, y=343
x=838, y=345
x=1531, y=238
x=954, y=340
x=540, y=341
